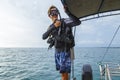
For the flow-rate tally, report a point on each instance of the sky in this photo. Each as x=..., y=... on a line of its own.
x=22, y=23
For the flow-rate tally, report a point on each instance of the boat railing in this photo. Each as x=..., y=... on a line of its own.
x=109, y=70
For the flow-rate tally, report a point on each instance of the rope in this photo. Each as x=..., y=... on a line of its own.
x=109, y=44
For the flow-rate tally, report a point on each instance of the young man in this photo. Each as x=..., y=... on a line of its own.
x=60, y=34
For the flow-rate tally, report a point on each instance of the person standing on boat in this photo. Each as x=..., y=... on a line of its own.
x=60, y=36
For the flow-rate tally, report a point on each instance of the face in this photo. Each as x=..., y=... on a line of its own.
x=53, y=13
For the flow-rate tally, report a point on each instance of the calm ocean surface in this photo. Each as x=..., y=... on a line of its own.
x=38, y=63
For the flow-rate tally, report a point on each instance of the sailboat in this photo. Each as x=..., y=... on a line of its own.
x=91, y=9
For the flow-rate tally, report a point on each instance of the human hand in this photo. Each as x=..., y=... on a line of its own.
x=57, y=23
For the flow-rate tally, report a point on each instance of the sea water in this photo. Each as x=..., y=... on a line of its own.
x=38, y=63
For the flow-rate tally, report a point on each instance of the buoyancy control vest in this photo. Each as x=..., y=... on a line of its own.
x=63, y=36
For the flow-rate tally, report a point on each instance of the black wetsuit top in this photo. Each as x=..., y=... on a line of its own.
x=64, y=39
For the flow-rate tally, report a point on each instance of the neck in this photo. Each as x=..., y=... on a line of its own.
x=54, y=19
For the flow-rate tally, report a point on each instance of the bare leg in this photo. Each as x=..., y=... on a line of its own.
x=65, y=76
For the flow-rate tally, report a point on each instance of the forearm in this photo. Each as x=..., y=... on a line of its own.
x=47, y=33
x=72, y=22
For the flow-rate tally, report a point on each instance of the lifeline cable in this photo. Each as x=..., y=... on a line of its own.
x=110, y=44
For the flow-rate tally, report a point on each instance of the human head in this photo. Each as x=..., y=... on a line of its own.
x=53, y=11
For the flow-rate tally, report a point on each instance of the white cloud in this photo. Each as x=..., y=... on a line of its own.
x=22, y=23
x=87, y=29
x=98, y=32
x=91, y=42
x=14, y=28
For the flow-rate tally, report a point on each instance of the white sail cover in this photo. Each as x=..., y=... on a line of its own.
x=84, y=8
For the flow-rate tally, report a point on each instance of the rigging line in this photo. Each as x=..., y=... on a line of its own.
x=100, y=6
x=110, y=43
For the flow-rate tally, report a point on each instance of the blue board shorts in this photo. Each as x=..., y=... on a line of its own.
x=63, y=62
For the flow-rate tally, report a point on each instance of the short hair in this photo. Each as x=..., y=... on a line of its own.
x=50, y=9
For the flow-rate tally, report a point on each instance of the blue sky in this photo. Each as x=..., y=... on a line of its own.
x=22, y=23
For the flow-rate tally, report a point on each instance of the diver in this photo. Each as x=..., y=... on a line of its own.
x=60, y=36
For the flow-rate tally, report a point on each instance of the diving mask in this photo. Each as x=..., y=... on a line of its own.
x=54, y=13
